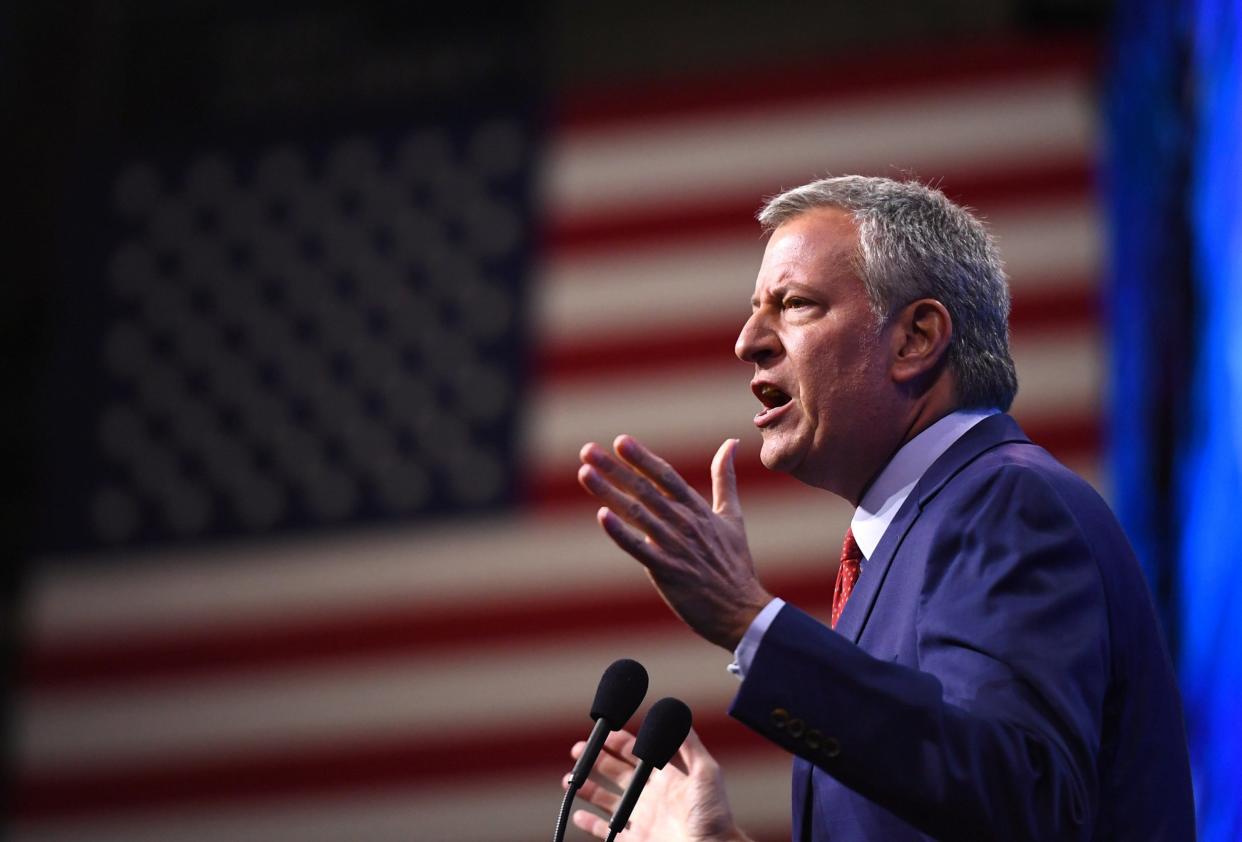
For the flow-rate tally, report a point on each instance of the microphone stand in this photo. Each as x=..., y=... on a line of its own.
x=562, y=818
x=579, y=775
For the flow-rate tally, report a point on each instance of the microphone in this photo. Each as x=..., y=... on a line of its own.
x=621, y=690
x=663, y=732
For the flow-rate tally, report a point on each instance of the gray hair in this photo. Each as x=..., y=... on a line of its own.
x=914, y=243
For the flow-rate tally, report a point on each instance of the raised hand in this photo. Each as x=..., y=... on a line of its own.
x=695, y=553
x=683, y=802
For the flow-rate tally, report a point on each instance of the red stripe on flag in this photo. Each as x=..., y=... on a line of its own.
x=236, y=650
x=1066, y=437
x=673, y=221
x=304, y=771
x=973, y=64
x=409, y=629
x=1067, y=306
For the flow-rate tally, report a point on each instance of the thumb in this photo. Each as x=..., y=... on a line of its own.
x=724, y=480
x=692, y=744
x=693, y=754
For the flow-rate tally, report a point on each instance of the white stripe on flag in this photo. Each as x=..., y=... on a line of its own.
x=983, y=127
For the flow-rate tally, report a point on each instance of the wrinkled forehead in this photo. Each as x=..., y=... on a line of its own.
x=815, y=243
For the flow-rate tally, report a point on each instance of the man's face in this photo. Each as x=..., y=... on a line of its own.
x=821, y=367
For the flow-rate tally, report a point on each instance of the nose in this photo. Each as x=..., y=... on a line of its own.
x=756, y=342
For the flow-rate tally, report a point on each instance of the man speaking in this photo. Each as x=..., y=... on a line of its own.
x=993, y=668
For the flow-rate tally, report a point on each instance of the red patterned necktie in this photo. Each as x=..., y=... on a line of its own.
x=847, y=575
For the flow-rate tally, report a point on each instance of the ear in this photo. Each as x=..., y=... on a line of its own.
x=920, y=336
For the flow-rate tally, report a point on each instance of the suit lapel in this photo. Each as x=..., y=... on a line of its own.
x=988, y=433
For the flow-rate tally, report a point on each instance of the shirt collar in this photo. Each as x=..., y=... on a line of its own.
x=891, y=488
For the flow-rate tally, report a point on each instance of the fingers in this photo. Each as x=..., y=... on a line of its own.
x=622, y=474
x=621, y=743
x=612, y=773
x=593, y=793
x=724, y=480
x=591, y=823
x=641, y=507
x=631, y=541
x=643, y=490
x=614, y=769
x=652, y=480
x=616, y=762
x=659, y=472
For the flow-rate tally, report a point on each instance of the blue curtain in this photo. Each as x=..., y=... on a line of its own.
x=1175, y=196
x=1145, y=171
x=1210, y=480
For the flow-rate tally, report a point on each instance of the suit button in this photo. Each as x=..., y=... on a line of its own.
x=814, y=738
x=832, y=747
x=796, y=727
x=780, y=716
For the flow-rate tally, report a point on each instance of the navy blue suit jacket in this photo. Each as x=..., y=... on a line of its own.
x=997, y=673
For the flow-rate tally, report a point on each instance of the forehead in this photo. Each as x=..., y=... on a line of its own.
x=818, y=245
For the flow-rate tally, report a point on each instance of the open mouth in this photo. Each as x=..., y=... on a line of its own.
x=773, y=400
x=770, y=396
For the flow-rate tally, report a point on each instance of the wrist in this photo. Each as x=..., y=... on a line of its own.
x=741, y=625
x=745, y=618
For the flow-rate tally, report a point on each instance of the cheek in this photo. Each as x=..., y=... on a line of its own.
x=836, y=386
x=837, y=369
x=826, y=394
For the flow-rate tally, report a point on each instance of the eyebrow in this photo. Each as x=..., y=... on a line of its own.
x=754, y=299
x=784, y=288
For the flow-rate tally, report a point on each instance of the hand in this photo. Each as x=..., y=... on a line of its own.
x=696, y=554
x=683, y=802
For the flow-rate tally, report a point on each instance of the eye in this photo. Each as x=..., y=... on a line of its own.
x=794, y=302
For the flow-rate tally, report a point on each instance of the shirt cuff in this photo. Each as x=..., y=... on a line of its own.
x=749, y=645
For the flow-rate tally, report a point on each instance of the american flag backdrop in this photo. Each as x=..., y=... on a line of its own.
x=422, y=673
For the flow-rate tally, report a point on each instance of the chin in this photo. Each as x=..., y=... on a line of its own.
x=778, y=459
